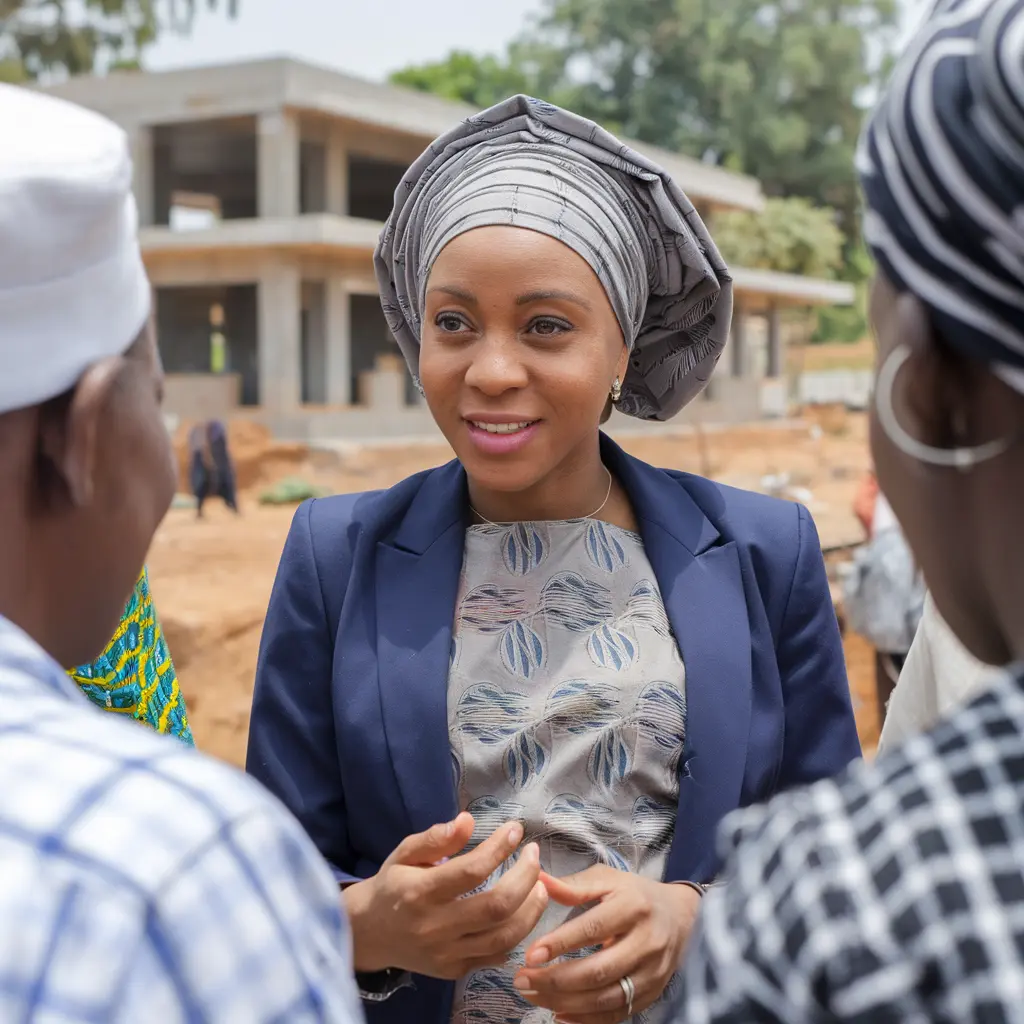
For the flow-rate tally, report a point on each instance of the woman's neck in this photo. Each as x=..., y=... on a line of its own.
x=567, y=493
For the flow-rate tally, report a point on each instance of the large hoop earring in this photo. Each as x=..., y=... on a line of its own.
x=616, y=390
x=963, y=459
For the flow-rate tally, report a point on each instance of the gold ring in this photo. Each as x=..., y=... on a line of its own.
x=629, y=991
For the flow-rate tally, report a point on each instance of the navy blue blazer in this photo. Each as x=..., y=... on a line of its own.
x=349, y=719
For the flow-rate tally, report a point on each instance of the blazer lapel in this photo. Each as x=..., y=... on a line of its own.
x=417, y=586
x=702, y=587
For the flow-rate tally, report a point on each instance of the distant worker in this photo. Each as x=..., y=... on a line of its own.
x=211, y=471
x=218, y=342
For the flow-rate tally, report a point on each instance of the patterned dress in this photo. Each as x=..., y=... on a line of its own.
x=566, y=711
x=135, y=675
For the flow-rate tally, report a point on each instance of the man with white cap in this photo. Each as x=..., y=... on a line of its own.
x=140, y=881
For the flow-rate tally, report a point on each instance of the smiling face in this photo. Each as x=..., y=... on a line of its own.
x=519, y=350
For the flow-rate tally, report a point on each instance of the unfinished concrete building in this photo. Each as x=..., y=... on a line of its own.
x=262, y=187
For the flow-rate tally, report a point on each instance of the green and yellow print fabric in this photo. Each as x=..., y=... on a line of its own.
x=135, y=675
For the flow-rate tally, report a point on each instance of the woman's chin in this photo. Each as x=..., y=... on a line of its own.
x=491, y=475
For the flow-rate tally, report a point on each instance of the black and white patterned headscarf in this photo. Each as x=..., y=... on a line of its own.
x=529, y=164
x=942, y=167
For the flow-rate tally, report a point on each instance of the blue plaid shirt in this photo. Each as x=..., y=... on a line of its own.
x=143, y=882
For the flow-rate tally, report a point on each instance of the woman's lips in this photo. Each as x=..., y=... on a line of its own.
x=501, y=438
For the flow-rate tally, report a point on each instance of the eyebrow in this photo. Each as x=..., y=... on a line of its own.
x=521, y=300
x=547, y=295
x=455, y=293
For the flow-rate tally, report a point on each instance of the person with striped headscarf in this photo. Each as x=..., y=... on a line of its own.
x=896, y=893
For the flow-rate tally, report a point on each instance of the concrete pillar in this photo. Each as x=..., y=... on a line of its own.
x=279, y=337
x=774, y=343
x=337, y=173
x=277, y=164
x=140, y=140
x=738, y=341
x=338, y=331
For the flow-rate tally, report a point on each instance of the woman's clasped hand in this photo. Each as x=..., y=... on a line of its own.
x=427, y=911
x=420, y=912
x=641, y=926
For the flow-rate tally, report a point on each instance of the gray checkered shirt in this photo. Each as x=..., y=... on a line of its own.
x=142, y=882
x=893, y=894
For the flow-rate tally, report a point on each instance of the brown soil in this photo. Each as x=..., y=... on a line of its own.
x=212, y=579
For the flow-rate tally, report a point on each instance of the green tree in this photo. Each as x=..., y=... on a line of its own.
x=790, y=235
x=479, y=81
x=774, y=88
x=39, y=38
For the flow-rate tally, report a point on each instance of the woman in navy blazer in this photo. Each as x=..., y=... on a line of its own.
x=413, y=752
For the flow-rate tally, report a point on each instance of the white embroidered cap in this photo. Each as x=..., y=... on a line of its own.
x=73, y=289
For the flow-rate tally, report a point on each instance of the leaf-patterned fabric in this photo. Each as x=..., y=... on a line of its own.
x=566, y=711
x=529, y=164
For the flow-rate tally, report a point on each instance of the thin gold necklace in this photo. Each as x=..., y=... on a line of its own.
x=597, y=510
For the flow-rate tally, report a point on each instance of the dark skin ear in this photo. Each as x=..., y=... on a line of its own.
x=937, y=389
x=68, y=435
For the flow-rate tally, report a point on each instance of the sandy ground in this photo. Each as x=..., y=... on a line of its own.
x=212, y=579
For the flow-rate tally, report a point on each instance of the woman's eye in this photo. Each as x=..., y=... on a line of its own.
x=547, y=328
x=449, y=322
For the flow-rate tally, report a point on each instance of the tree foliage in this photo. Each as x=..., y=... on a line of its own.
x=774, y=88
x=790, y=235
x=479, y=81
x=42, y=38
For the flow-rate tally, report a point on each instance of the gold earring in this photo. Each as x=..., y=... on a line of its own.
x=616, y=391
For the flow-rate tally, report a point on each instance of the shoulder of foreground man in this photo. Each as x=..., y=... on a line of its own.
x=184, y=890
x=166, y=802
x=251, y=913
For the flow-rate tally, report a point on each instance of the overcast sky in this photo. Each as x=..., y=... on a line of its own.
x=365, y=38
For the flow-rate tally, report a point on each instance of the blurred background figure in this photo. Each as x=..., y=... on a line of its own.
x=211, y=471
x=938, y=675
x=883, y=592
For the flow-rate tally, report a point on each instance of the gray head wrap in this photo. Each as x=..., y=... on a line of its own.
x=942, y=167
x=529, y=164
